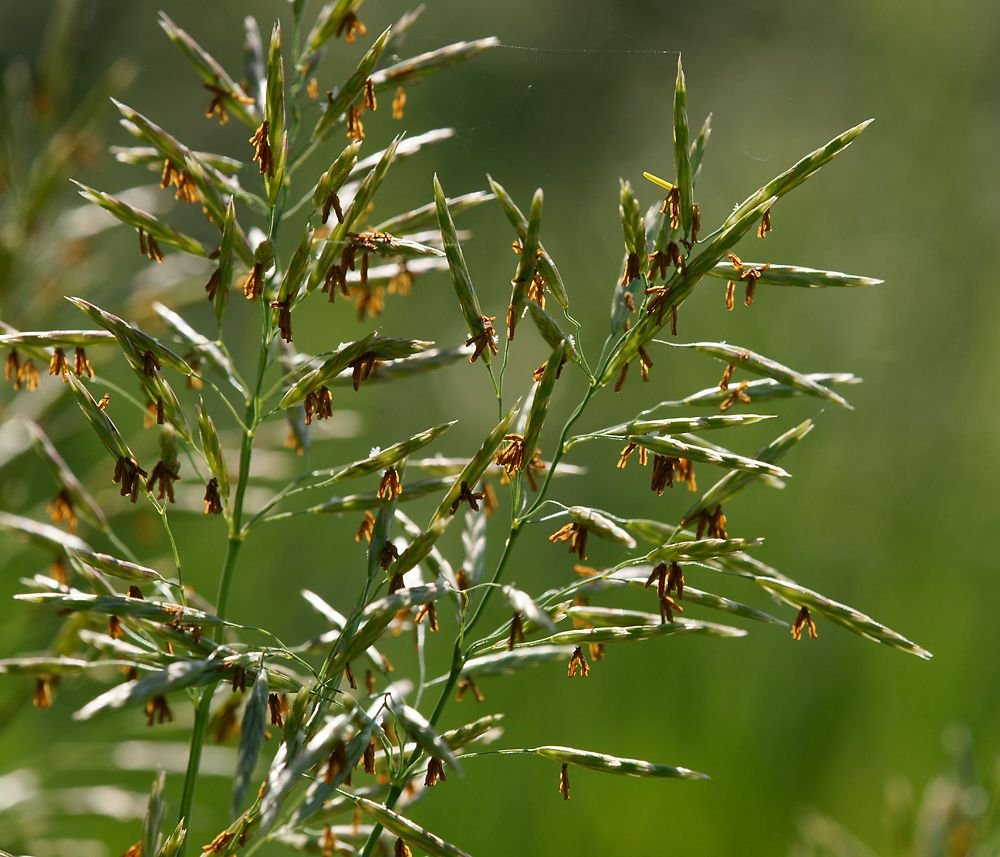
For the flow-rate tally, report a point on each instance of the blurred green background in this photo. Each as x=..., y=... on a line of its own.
x=891, y=508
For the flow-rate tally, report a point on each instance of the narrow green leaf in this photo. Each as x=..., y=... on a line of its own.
x=420, y=729
x=541, y=399
x=133, y=339
x=698, y=148
x=153, y=819
x=473, y=471
x=139, y=219
x=274, y=115
x=606, y=764
x=546, y=267
x=408, y=830
x=100, y=422
x=253, y=730
x=798, y=596
x=234, y=99
x=464, y=290
x=373, y=345
x=350, y=93
x=672, y=446
x=522, y=603
x=682, y=154
x=793, y=275
x=409, y=70
x=425, y=217
x=796, y=174
x=600, y=524
x=758, y=364
x=734, y=481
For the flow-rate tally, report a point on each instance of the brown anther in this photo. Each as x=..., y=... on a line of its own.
x=730, y=295
x=576, y=535
x=596, y=651
x=667, y=607
x=329, y=842
x=398, y=103
x=738, y=394
x=658, y=576
x=114, y=627
x=239, y=682
x=150, y=364
x=804, y=621
x=182, y=180
x=401, y=282
x=622, y=377
x=262, y=153
x=658, y=265
x=362, y=368
x=349, y=675
x=389, y=486
x=59, y=572
x=253, y=285
x=350, y=28
x=675, y=580
x=318, y=403
x=516, y=632
x=386, y=557
x=312, y=89
x=370, y=102
x=284, y=319
x=727, y=376
x=466, y=495
x=533, y=469
x=81, y=365
x=157, y=711
x=631, y=269
x=536, y=290
x=366, y=528
x=765, y=225
x=355, y=127
x=578, y=664
x=675, y=257
x=435, y=772
x=212, y=286
x=401, y=849
x=511, y=456
x=213, y=499
x=625, y=455
x=336, y=763
x=486, y=338
x=148, y=247
x=662, y=476
x=564, y=781
x=12, y=368
x=135, y=592
x=672, y=207
x=645, y=363
x=61, y=510
x=129, y=475
x=336, y=279
x=368, y=757
x=695, y=224
x=467, y=685
x=332, y=202
x=370, y=301
x=58, y=364
x=369, y=682
x=27, y=376
x=163, y=478
x=658, y=301
x=277, y=707
x=430, y=611
x=43, y=691
x=684, y=472
x=134, y=850
x=218, y=845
